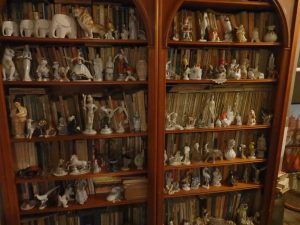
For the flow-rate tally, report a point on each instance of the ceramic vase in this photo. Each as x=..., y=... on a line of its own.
x=141, y=69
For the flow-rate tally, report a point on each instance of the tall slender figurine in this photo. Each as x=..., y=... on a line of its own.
x=121, y=63
x=132, y=25
x=203, y=23
x=90, y=108
x=19, y=117
x=109, y=69
x=98, y=68
x=212, y=112
x=186, y=29
x=26, y=56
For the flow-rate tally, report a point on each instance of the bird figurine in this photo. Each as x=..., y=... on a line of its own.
x=44, y=198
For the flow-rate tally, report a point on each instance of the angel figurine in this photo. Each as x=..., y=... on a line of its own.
x=90, y=108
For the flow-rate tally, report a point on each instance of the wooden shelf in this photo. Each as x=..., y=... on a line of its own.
x=82, y=176
x=66, y=84
x=79, y=137
x=67, y=41
x=236, y=161
x=219, y=129
x=213, y=190
x=94, y=201
x=242, y=81
x=292, y=146
x=223, y=44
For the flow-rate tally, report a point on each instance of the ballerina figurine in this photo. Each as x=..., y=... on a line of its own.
x=90, y=108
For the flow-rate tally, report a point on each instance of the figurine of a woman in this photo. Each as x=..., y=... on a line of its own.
x=26, y=56
x=132, y=25
x=203, y=24
x=212, y=111
x=43, y=70
x=90, y=108
x=109, y=69
x=186, y=29
x=251, y=118
x=230, y=153
x=121, y=63
x=187, y=160
x=98, y=68
x=19, y=117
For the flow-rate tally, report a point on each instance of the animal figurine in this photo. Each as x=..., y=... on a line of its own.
x=44, y=198
x=86, y=22
x=41, y=27
x=26, y=28
x=63, y=26
x=240, y=34
x=78, y=166
x=115, y=194
x=9, y=69
x=63, y=199
x=10, y=28
x=206, y=175
x=30, y=127
x=212, y=154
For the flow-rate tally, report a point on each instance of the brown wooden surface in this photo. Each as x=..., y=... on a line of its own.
x=242, y=81
x=240, y=5
x=223, y=44
x=292, y=200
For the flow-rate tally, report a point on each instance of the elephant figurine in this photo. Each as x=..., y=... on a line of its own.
x=63, y=26
x=42, y=28
x=10, y=28
x=26, y=28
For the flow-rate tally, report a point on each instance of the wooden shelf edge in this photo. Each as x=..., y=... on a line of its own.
x=79, y=137
x=236, y=161
x=292, y=146
x=214, y=190
x=66, y=84
x=94, y=201
x=219, y=129
x=49, y=178
x=242, y=81
x=224, y=44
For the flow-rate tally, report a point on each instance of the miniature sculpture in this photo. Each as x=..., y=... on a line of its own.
x=171, y=185
x=186, y=151
x=9, y=69
x=206, y=176
x=81, y=195
x=261, y=146
x=63, y=199
x=78, y=166
x=136, y=122
x=219, y=73
x=218, y=123
x=141, y=69
x=240, y=34
x=79, y=70
x=238, y=119
x=41, y=27
x=62, y=126
x=129, y=74
x=186, y=29
x=230, y=153
x=251, y=151
x=196, y=73
x=110, y=31
x=213, y=35
x=26, y=28
x=271, y=66
x=186, y=186
x=73, y=125
x=244, y=68
x=196, y=154
x=172, y=122
x=186, y=73
x=63, y=26
x=267, y=118
x=10, y=28
x=195, y=184
x=96, y=167
x=89, y=108
x=227, y=117
x=203, y=22
x=19, y=117
x=176, y=160
x=169, y=72
x=251, y=118
x=212, y=112
x=86, y=22
x=109, y=113
x=63, y=72
x=60, y=169
x=139, y=159
x=165, y=157
x=257, y=172
x=132, y=25
x=171, y=222
x=242, y=218
x=228, y=29
x=242, y=150
x=231, y=180
x=271, y=34
x=44, y=198
x=55, y=68
x=212, y=154
x=26, y=56
x=217, y=178
x=250, y=74
x=246, y=174
x=109, y=69
x=190, y=124
x=124, y=33
x=121, y=63
x=98, y=68
x=43, y=71
x=28, y=205
x=255, y=35
x=126, y=159
x=122, y=110
x=115, y=194
x=30, y=128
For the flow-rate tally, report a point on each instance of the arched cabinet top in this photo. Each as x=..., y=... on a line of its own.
x=282, y=8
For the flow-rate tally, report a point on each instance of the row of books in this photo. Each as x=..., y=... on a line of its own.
x=218, y=21
x=219, y=206
x=132, y=214
x=207, y=57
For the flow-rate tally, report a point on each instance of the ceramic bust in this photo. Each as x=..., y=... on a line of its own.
x=89, y=108
x=186, y=151
x=26, y=56
x=230, y=153
x=98, y=68
x=217, y=178
x=251, y=118
x=42, y=71
x=261, y=146
x=9, y=69
x=132, y=25
x=240, y=34
x=19, y=117
x=206, y=176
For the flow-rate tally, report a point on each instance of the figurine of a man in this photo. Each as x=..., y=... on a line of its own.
x=90, y=108
x=19, y=117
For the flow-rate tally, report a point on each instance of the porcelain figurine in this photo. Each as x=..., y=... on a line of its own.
x=257, y=173
x=44, y=198
x=80, y=72
x=203, y=23
x=63, y=26
x=261, y=146
x=186, y=186
x=271, y=35
x=109, y=69
x=30, y=128
x=186, y=73
x=96, y=167
x=132, y=25
x=196, y=73
x=267, y=118
x=271, y=66
x=10, y=28
x=26, y=56
x=171, y=222
x=28, y=204
x=126, y=159
x=89, y=108
x=228, y=29
x=212, y=154
x=98, y=68
x=115, y=194
x=19, y=117
x=186, y=151
x=81, y=195
x=227, y=117
x=190, y=124
x=109, y=113
x=120, y=63
x=246, y=174
x=176, y=160
x=139, y=159
x=169, y=72
x=26, y=28
x=244, y=68
x=8, y=66
x=187, y=29
x=250, y=74
x=230, y=153
x=238, y=119
x=73, y=125
x=197, y=153
x=110, y=31
x=141, y=69
x=213, y=35
x=136, y=122
x=231, y=180
x=55, y=68
x=195, y=184
x=217, y=178
x=171, y=123
x=220, y=74
x=129, y=74
x=60, y=169
x=218, y=123
x=175, y=32
x=41, y=27
x=251, y=118
x=78, y=166
x=43, y=70
x=62, y=73
x=255, y=35
x=231, y=68
x=206, y=176
x=212, y=112
x=240, y=34
x=242, y=150
x=242, y=218
x=65, y=198
x=122, y=109
x=124, y=33
x=165, y=157
x=252, y=151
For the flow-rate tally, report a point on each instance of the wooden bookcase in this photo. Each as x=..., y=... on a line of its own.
x=13, y=213
x=280, y=85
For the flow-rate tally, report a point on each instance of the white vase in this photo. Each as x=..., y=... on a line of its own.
x=141, y=69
